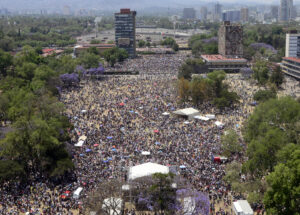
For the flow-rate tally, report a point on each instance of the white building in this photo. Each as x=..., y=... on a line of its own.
x=292, y=46
x=242, y=207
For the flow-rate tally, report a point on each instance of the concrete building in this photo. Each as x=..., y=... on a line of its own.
x=220, y=62
x=245, y=15
x=231, y=40
x=291, y=66
x=125, y=31
x=292, y=44
x=203, y=13
x=286, y=10
x=291, y=62
x=217, y=12
x=231, y=16
x=189, y=13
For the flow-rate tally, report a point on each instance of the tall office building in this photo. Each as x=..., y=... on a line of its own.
x=217, y=12
x=125, y=31
x=292, y=44
x=231, y=16
x=286, y=10
x=203, y=13
x=231, y=40
x=245, y=15
x=291, y=62
x=189, y=13
x=274, y=12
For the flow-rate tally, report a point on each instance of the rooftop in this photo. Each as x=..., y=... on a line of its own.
x=146, y=169
x=221, y=58
x=295, y=59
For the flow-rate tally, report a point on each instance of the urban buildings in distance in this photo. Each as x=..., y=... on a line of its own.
x=189, y=13
x=286, y=10
x=125, y=31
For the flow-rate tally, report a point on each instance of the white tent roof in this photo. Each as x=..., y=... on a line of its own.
x=210, y=116
x=203, y=118
x=186, y=112
x=125, y=187
x=83, y=138
x=145, y=153
x=166, y=114
x=146, y=169
x=79, y=144
x=219, y=124
x=243, y=207
x=112, y=205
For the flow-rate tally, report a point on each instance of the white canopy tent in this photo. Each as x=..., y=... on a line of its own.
x=242, y=207
x=81, y=141
x=210, y=116
x=166, y=114
x=145, y=153
x=203, y=118
x=187, y=112
x=219, y=124
x=146, y=169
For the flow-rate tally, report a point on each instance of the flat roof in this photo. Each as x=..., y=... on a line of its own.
x=146, y=169
x=242, y=206
x=221, y=58
x=292, y=59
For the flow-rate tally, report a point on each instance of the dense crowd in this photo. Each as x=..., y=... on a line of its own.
x=123, y=116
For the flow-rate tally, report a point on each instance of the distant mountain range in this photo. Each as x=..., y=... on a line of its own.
x=116, y=4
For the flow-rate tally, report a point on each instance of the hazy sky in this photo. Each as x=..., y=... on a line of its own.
x=113, y=4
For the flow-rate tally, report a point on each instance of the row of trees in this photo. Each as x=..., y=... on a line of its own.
x=264, y=73
x=203, y=44
x=273, y=150
x=171, y=43
x=39, y=130
x=18, y=31
x=209, y=89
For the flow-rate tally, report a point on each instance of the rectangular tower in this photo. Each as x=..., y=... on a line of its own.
x=286, y=10
x=292, y=45
x=125, y=31
x=231, y=40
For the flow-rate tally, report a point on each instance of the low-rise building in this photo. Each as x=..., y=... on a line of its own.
x=220, y=62
x=291, y=66
x=100, y=47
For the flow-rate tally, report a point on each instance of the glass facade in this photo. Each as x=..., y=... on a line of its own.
x=125, y=31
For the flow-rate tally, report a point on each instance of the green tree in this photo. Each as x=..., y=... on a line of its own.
x=175, y=47
x=6, y=61
x=142, y=43
x=114, y=55
x=273, y=125
x=264, y=95
x=277, y=77
x=283, y=194
x=261, y=72
x=230, y=143
x=89, y=60
x=163, y=195
x=10, y=170
x=183, y=89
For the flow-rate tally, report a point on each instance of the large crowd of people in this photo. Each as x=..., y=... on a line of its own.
x=122, y=116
